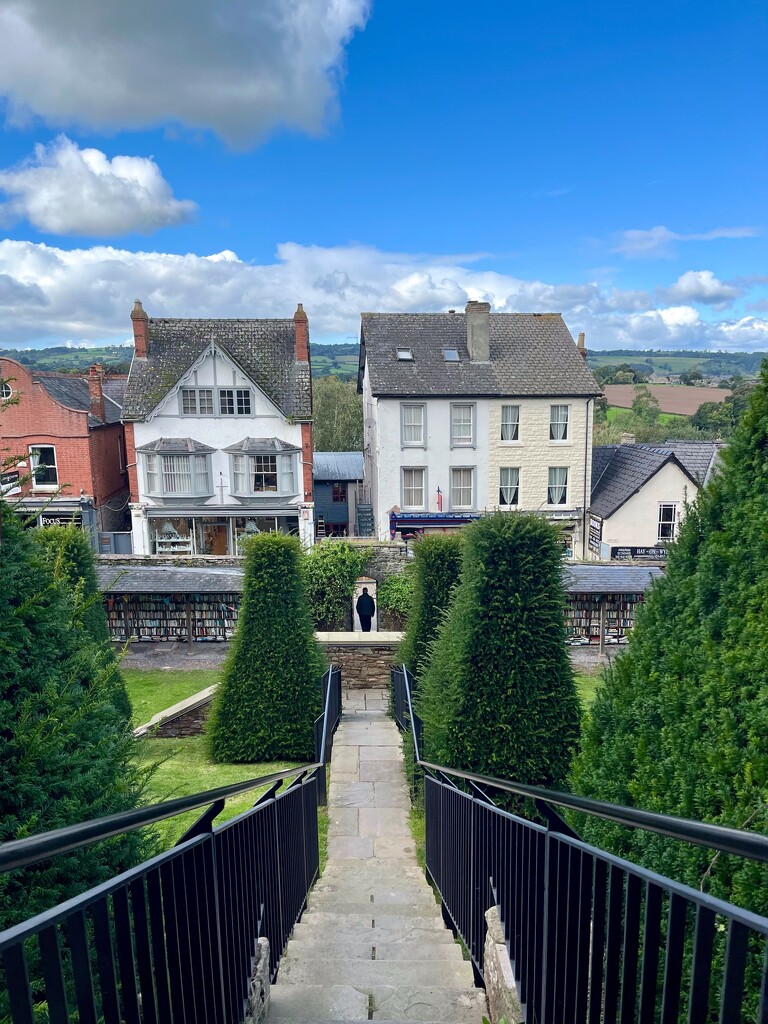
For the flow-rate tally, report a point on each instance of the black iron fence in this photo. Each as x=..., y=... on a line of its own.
x=326, y=725
x=175, y=938
x=592, y=938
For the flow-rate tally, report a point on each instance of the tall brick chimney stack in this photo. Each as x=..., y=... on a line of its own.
x=580, y=346
x=96, y=391
x=301, y=328
x=140, y=330
x=478, y=331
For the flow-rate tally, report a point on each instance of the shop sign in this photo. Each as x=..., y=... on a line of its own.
x=656, y=554
x=595, y=534
x=61, y=519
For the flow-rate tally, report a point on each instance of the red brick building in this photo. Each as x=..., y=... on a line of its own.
x=66, y=431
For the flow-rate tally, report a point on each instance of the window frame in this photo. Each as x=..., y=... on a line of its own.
x=51, y=485
x=197, y=392
x=566, y=439
x=424, y=490
x=339, y=492
x=672, y=522
x=472, y=406
x=413, y=444
x=516, y=502
x=453, y=507
x=550, y=485
x=285, y=473
x=516, y=438
x=156, y=473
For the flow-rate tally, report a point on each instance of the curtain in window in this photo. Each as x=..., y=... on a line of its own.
x=151, y=473
x=177, y=475
x=413, y=488
x=238, y=470
x=287, y=485
x=461, y=424
x=558, y=423
x=558, y=486
x=509, y=486
x=510, y=422
x=461, y=488
x=413, y=424
x=202, y=480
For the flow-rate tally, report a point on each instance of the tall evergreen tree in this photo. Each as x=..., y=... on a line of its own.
x=270, y=692
x=680, y=725
x=65, y=751
x=71, y=558
x=498, y=695
x=436, y=567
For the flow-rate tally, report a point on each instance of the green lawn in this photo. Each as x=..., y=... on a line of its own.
x=183, y=767
x=616, y=414
x=158, y=689
x=587, y=684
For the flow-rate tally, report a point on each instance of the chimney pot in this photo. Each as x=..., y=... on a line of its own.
x=580, y=345
x=627, y=439
x=96, y=391
x=140, y=330
x=478, y=330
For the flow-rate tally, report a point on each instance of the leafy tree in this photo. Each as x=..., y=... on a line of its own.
x=338, y=415
x=71, y=558
x=65, y=751
x=329, y=571
x=645, y=405
x=269, y=695
x=680, y=724
x=436, y=567
x=395, y=595
x=498, y=695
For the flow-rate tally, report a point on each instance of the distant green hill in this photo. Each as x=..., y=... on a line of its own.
x=711, y=364
x=327, y=360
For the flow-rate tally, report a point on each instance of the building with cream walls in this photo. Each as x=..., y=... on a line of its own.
x=218, y=424
x=466, y=413
x=640, y=493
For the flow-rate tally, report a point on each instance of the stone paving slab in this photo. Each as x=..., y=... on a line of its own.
x=371, y=974
x=462, y=1006
x=351, y=794
x=381, y=754
x=334, y=1002
x=383, y=821
x=365, y=949
x=361, y=932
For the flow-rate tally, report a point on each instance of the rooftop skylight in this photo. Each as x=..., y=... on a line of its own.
x=451, y=355
x=405, y=354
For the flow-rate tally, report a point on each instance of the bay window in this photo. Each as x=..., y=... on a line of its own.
x=261, y=473
x=178, y=475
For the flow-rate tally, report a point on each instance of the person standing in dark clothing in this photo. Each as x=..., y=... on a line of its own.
x=366, y=609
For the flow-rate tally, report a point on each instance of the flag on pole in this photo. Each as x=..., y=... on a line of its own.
x=439, y=500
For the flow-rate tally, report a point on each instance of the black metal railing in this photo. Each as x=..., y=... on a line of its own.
x=173, y=939
x=592, y=938
x=326, y=725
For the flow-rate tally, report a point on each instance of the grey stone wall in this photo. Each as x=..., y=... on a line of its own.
x=500, y=988
x=362, y=666
x=188, y=723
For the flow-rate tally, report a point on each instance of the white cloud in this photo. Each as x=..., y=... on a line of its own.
x=87, y=294
x=238, y=67
x=701, y=286
x=66, y=190
x=659, y=241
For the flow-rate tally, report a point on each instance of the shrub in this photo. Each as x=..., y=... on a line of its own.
x=270, y=691
x=71, y=559
x=680, y=723
x=329, y=572
x=395, y=594
x=498, y=695
x=65, y=751
x=436, y=566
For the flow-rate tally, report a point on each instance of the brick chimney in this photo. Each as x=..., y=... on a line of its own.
x=627, y=439
x=580, y=346
x=96, y=391
x=478, y=331
x=140, y=330
x=301, y=330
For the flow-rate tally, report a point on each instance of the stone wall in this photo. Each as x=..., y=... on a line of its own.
x=186, y=723
x=500, y=988
x=362, y=665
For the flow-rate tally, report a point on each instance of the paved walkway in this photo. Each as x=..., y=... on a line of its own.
x=372, y=944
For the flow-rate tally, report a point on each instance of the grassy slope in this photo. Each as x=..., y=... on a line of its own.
x=153, y=691
x=183, y=767
x=616, y=415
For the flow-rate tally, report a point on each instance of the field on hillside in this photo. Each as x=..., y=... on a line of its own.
x=672, y=398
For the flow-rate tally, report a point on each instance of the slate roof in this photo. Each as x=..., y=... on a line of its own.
x=620, y=470
x=175, y=444
x=262, y=446
x=120, y=578
x=263, y=349
x=337, y=465
x=72, y=392
x=531, y=354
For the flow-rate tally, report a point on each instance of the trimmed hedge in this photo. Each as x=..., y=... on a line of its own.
x=270, y=691
x=329, y=571
x=498, y=695
x=436, y=566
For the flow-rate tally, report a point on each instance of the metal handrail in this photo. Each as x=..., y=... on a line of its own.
x=20, y=853
x=752, y=845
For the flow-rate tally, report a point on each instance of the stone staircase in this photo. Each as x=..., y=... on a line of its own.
x=365, y=520
x=372, y=944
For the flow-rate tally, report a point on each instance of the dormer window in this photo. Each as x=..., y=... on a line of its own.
x=405, y=355
x=450, y=355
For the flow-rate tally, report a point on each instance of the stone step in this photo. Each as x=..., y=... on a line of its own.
x=335, y=903
x=465, y=1005
x=370, y=947
x=316, y=1002
x=370, y=974
x=410, y=895
x=310, y=931
x=336, y=922
x=306, y=1004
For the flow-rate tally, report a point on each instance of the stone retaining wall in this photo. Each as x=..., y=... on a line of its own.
x=188, y=723
x=362, y=665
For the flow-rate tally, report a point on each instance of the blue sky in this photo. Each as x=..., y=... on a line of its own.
x=230, y=159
